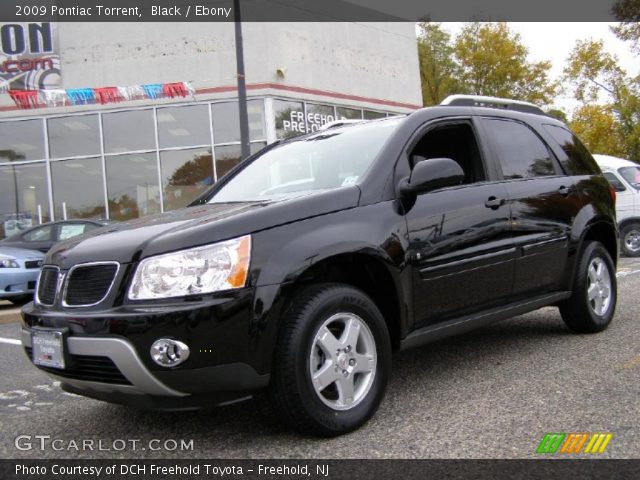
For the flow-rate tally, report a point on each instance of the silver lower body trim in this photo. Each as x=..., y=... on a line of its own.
x=123, y=355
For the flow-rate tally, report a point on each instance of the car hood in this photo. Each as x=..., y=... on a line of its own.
x=194, y=226
x=13, y=252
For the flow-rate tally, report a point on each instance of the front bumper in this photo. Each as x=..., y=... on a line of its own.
x=110, y=357
x=16, y=282
x=137, y=385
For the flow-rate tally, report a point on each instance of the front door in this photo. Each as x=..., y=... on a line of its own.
x=460, y=252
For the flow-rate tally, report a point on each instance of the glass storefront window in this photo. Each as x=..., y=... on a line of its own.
x=132, y=185
x=74, y=136
x=289, y=118
x=23, y=140
x=23, y=188
x=227, y=157
x=344, y=113
x=183, y=126
x=226, y=121
x=318, y=115
x=371, y=115
x=78, y=188
x=185, y=175
x=128, y=131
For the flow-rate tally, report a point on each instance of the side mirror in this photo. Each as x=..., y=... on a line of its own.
x=431, y=174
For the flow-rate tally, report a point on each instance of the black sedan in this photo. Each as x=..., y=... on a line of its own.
x=42, y=237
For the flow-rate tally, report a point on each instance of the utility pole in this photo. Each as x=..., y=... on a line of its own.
x=242, y=86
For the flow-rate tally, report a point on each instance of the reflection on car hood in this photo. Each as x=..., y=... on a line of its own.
x=194, y=226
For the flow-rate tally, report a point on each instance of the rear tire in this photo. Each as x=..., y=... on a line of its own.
x=630, y=240
x=592, y=304
x=332, y=361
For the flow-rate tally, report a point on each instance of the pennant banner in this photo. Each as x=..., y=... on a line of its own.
x=25, y=99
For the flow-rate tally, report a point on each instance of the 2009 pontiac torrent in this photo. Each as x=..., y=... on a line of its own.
x=305, y=267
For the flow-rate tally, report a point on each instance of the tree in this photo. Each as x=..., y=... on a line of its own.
x=595, y=77
x=493, y=61
x=598, y=128
x=438, y=70
x=628, y=13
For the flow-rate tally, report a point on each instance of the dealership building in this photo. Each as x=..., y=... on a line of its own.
x=124, y=156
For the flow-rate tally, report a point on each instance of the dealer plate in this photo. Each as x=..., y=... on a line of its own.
x=47, y=348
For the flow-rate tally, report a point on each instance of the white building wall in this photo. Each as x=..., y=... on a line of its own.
x=373, y=60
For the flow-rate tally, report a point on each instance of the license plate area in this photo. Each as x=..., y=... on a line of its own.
x=49, y=348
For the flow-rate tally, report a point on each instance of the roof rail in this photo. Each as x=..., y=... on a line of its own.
x=339, y=123
x=492, y=102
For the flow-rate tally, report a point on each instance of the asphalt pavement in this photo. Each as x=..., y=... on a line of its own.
x=492, y=393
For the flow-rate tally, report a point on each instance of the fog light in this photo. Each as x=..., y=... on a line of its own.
x=169, y=353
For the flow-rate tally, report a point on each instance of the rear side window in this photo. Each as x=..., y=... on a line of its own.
x=520, y=151
x=42, y=234
x=578, y=160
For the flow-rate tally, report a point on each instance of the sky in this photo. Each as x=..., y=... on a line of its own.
x=554, y=41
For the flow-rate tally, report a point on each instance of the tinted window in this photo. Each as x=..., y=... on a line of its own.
x=74, y=136
x=41, y=234
x=120, y=135
x=520, y=152
x=578, y=160
x=23, y=140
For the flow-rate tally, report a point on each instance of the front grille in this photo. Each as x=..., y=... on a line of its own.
x=33, y=264
x=47, y=285
x=89, y=284
x=88, y=368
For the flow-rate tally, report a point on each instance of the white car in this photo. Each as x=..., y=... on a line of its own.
x=624, y=175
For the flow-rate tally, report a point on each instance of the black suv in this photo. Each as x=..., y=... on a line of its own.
x=305, y=267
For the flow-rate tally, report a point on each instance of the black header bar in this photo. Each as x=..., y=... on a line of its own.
x=15, y=11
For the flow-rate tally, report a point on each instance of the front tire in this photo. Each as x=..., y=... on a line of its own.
x=630, y=240
x=332, y=361
x=592, y=304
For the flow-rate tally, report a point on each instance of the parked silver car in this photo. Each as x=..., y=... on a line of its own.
x=19, y=270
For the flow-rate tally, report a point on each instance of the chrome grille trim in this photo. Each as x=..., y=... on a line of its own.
x=59, y=277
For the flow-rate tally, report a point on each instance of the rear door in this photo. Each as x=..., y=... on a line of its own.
x=543, y=203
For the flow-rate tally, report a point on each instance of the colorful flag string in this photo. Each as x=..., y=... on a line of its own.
x=26, y=99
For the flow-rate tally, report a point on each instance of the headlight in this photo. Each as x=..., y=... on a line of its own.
x=8, y=263
x=221, y=266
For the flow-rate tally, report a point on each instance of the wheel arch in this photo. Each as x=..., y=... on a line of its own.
x=366, y=272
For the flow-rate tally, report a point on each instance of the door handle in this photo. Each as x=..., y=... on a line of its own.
x=564, y=191
x=494, y=202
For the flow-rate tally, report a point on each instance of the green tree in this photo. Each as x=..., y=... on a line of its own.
x=595, y=77
x=597, y=126
x=493, y=61
x=438, y=69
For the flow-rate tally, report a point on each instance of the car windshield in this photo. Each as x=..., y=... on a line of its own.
x=328, y=159
x=631, y=175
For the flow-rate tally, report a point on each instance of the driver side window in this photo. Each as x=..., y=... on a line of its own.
x=455, y=141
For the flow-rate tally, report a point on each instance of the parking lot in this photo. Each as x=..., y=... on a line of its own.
x=492, y=393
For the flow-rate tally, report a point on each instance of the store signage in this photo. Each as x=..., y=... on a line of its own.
x=29, y=56
x=296, y=121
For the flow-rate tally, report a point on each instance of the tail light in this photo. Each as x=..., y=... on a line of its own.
x=612, y=193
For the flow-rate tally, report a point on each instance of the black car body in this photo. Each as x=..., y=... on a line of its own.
x=408, y=252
